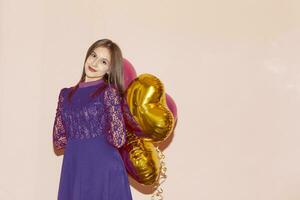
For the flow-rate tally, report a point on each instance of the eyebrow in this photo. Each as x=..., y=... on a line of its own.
x=97, y=55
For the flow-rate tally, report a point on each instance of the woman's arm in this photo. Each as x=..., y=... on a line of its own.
x=59, y=131
x=116, y=129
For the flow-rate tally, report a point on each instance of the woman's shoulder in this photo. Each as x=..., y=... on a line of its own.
x=63, y=91
x=111, y=90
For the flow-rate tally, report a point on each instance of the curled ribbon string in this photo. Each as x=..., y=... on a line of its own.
x=162, y=177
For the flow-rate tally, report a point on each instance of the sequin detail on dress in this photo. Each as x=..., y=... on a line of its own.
x=86, y=121
x=84, y=118
x=90, y=119
x=115, y=122
x=59, y=131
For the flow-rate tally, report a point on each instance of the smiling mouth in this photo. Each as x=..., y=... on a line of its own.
x=91, y=69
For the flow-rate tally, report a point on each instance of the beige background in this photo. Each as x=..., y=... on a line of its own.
x=231, y=66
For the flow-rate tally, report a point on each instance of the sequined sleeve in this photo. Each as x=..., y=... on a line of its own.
x=116, y=129
x=59, y=131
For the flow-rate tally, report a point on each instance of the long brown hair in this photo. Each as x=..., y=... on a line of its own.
x=116, y=74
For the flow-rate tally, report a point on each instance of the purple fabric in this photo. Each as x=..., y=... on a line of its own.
x=90, y=83
x=90, y=130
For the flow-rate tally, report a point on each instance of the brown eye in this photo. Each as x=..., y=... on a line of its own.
x=104, y=62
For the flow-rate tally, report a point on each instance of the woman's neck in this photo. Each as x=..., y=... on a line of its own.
x=88, y=79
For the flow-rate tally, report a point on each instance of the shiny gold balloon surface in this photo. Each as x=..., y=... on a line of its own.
x=141, y=159
x=146, y=99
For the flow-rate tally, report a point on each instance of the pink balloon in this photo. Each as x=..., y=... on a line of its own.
x=172, y=106
x=129, y=72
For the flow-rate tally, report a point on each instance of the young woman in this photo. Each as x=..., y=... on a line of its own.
x=89, y=126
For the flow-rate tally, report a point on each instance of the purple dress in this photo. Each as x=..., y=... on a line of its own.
x=90, y=130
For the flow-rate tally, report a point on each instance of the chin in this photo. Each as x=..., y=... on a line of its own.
x=89, y=73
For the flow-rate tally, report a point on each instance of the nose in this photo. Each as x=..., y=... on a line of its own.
x=95, y=62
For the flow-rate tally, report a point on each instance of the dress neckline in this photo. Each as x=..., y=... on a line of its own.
x=90, y=83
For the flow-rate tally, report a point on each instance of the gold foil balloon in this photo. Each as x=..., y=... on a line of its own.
x=146, y=100
x=141, y=159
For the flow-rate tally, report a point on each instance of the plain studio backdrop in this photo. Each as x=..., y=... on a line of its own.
x=232, y=68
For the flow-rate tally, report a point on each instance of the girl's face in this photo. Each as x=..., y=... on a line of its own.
x=98, y=63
